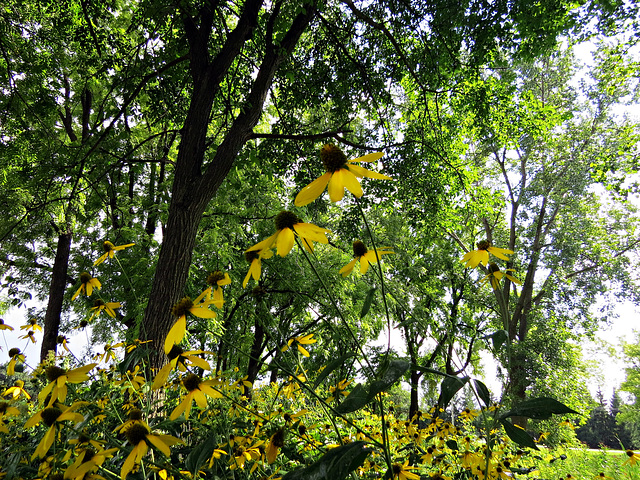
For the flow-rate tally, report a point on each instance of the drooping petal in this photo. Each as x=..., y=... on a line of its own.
x=255, y=271
x=336, y=186
x=102, y=258
x=46, y=391
x=79, y=374
x=265, y=244
x=200, y=362
x=162, y=376
x=360, y=172
x=351, y=182
x=500, y=252
x=475, y=257
x=312, y=232
x=224, y=281
x=364, y=264
x=183, y=406
x=200, y=398
x=78, y=292
x=312, y=191
x=176, y=334
x=45, y=443
x=348, y=268
x=201, y=296
x=369, y=157
x=218, y=298
x=203, y=312
x=36, y=419
x=157, y=441
x=285, y=241
x=61, y=388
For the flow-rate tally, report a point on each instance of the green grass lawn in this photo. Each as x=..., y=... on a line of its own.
x=583, y=464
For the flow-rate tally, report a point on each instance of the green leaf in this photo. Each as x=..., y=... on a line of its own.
x=449, y=387
x=538, y=408
x=386, y=377
x=200, y=454
x=358, y=397
x=499, y=338
x=518, y=435
x=483, y=392
x=338, y=362
x=336, y=464
x=367, y=302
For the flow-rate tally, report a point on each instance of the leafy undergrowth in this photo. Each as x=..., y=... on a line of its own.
x=107, y=420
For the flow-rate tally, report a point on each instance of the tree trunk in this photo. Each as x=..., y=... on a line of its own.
x=192, y=189
x=56, y=295
x=415, y=390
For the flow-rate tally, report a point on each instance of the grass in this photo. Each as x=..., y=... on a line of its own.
x=584, y=464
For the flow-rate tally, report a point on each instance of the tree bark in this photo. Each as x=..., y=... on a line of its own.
x=192, y=189
x=56, y=295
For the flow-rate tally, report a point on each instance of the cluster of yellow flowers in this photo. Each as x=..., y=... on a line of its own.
x=340, y=174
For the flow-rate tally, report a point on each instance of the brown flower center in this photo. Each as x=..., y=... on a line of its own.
x=332, y=158
x=107, y=246
x=85, y=277
x=483, y=245
x=136, y=433
x=251, y=255
x=278, y=438
x=135, y=414
x=14, y=351
x=191, y=382
x=182, y=307
x=286, y=220
x=50, y=415
x=214, y=277
x=53, y=372
x=359, y=249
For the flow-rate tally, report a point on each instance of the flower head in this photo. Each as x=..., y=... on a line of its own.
x=198, y=307
x=52, y=416
x=58, y=378
x=4, y=326
x=299, y=341
x=401, y=472
x=109, y=251
x=87, y=284
x=16, y=356
x=30, y=335
x=341, y=173
x=364, y=256
x=139, y=435
x=107, y=307
x=180, y=359
x=198, y=390
x=254, y=257
x=481, y=255
x=276, y=442
x=288, y=226
x=16, y=391
x=633, y=457
x=217, y=280
x=32, y=324
x=495, y=275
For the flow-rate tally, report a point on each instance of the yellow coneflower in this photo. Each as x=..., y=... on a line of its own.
x=109, y=251
x=288, y=226
x=364, y=256
x=341, y=174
